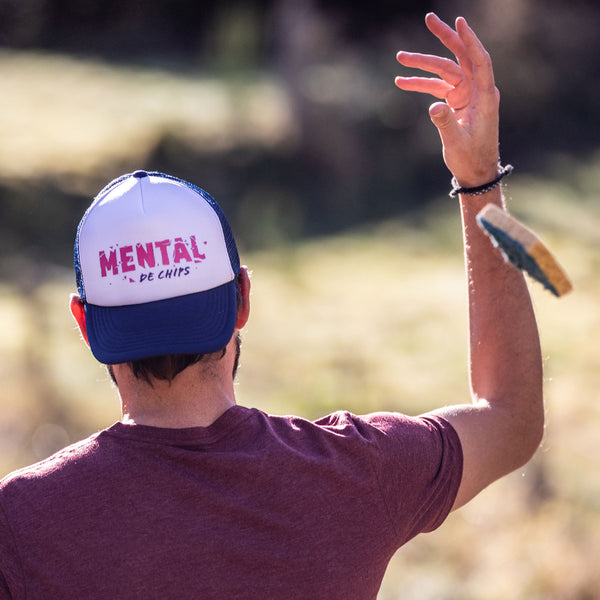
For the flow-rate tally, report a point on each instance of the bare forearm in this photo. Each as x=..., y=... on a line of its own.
x=503, y=426
x=504, y=351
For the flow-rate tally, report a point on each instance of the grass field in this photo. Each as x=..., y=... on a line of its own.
x=376, y=319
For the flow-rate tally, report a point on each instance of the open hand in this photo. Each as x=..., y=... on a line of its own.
x=468, y=119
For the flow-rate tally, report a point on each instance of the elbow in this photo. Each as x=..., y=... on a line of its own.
x=529, y=447
x=530, y=433
x=519, y=427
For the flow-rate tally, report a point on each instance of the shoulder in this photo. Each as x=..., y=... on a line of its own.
x=379, y=429
x=55, y=467
x=390, y=425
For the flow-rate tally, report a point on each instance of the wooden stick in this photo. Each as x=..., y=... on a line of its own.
x=522, y=248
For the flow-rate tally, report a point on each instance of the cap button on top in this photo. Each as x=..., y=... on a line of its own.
x=139, y=174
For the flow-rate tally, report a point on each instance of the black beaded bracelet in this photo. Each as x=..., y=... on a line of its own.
x=480, y=189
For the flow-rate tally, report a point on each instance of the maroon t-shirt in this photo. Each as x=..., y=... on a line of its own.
x=252, y=507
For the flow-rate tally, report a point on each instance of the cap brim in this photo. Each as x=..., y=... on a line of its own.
x=191, y=324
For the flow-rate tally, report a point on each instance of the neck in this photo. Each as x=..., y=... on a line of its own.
x=196, y=397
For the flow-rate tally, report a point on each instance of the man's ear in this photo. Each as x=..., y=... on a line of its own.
x=244, y=306
x=78, y=311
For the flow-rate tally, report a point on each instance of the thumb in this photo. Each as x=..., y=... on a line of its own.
x=442, y=117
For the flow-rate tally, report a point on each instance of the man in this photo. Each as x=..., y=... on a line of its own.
x=192, y=496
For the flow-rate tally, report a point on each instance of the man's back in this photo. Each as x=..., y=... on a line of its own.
x=250, y=507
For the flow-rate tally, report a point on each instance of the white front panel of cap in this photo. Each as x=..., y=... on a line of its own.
x=150, y=239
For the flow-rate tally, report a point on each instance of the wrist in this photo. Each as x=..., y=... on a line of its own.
x=480, y=188
x=478, y=174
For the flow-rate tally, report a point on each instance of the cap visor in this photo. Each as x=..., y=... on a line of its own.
x=192, y=324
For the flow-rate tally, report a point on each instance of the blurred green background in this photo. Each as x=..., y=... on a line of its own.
x=333, y=181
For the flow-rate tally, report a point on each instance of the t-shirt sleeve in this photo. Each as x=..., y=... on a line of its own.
x=419, y=468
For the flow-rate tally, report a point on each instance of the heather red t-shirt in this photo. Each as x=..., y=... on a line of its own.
x=252, y=507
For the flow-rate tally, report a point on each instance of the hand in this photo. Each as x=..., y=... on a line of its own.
x=468, y=119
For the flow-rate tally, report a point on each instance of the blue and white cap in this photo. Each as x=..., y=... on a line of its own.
x=155, y=262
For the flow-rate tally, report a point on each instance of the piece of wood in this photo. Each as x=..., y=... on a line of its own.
x=523, y=248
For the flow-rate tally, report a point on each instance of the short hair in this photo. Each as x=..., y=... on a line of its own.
x=167, y=367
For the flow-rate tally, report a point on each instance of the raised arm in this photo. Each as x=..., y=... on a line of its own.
x=502, y=427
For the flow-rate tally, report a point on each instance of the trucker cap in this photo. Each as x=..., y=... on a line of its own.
x=155, y=263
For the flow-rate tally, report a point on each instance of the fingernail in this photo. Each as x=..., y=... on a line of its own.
x=436, y=109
